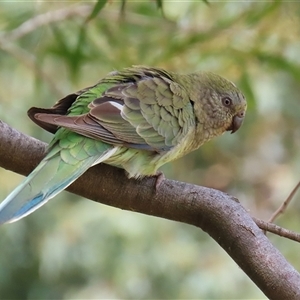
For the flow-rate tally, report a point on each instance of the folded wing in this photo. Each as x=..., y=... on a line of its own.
x=151, y=113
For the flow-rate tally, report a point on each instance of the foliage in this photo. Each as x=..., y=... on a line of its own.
x=73, y=248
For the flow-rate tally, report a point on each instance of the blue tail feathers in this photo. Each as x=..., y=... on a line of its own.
x=49, y=178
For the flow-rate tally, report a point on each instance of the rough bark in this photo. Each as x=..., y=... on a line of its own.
x=218, y=214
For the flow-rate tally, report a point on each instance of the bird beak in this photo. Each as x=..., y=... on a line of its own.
x=237, y=122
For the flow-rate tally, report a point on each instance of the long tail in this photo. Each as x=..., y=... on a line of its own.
x=49, y=178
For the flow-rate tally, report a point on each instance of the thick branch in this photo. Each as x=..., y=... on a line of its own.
x=217, y=213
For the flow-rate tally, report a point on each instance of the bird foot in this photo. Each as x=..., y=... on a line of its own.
x=160, y=177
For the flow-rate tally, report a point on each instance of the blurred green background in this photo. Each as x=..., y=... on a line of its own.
x=77, y=249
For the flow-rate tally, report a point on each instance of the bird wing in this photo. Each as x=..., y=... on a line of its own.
x=60, y=108
x=151, y=113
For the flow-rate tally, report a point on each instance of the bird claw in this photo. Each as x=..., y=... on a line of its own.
x=160, y=177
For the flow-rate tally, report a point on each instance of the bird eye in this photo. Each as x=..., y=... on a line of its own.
x=226, y=101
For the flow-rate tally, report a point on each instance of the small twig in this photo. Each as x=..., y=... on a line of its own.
x=47, y=18
x=281, y=209
x=68, y=13
x=270, y=227
x=29, y=60
x=7, y=38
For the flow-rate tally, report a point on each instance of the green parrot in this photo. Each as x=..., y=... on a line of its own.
x=137, y=119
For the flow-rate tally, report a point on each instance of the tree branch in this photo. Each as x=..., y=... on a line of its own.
x=270, y=227
x=217, y=213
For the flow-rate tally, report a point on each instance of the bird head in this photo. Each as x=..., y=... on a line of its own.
x=219, y=105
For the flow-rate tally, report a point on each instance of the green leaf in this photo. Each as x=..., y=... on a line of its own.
x=159, y=4
x=97, y=8
x=278, y=62
x=72, y=54
x=122, y=10
x=246, y=86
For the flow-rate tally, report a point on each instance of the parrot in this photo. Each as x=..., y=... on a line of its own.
x=138, y=119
